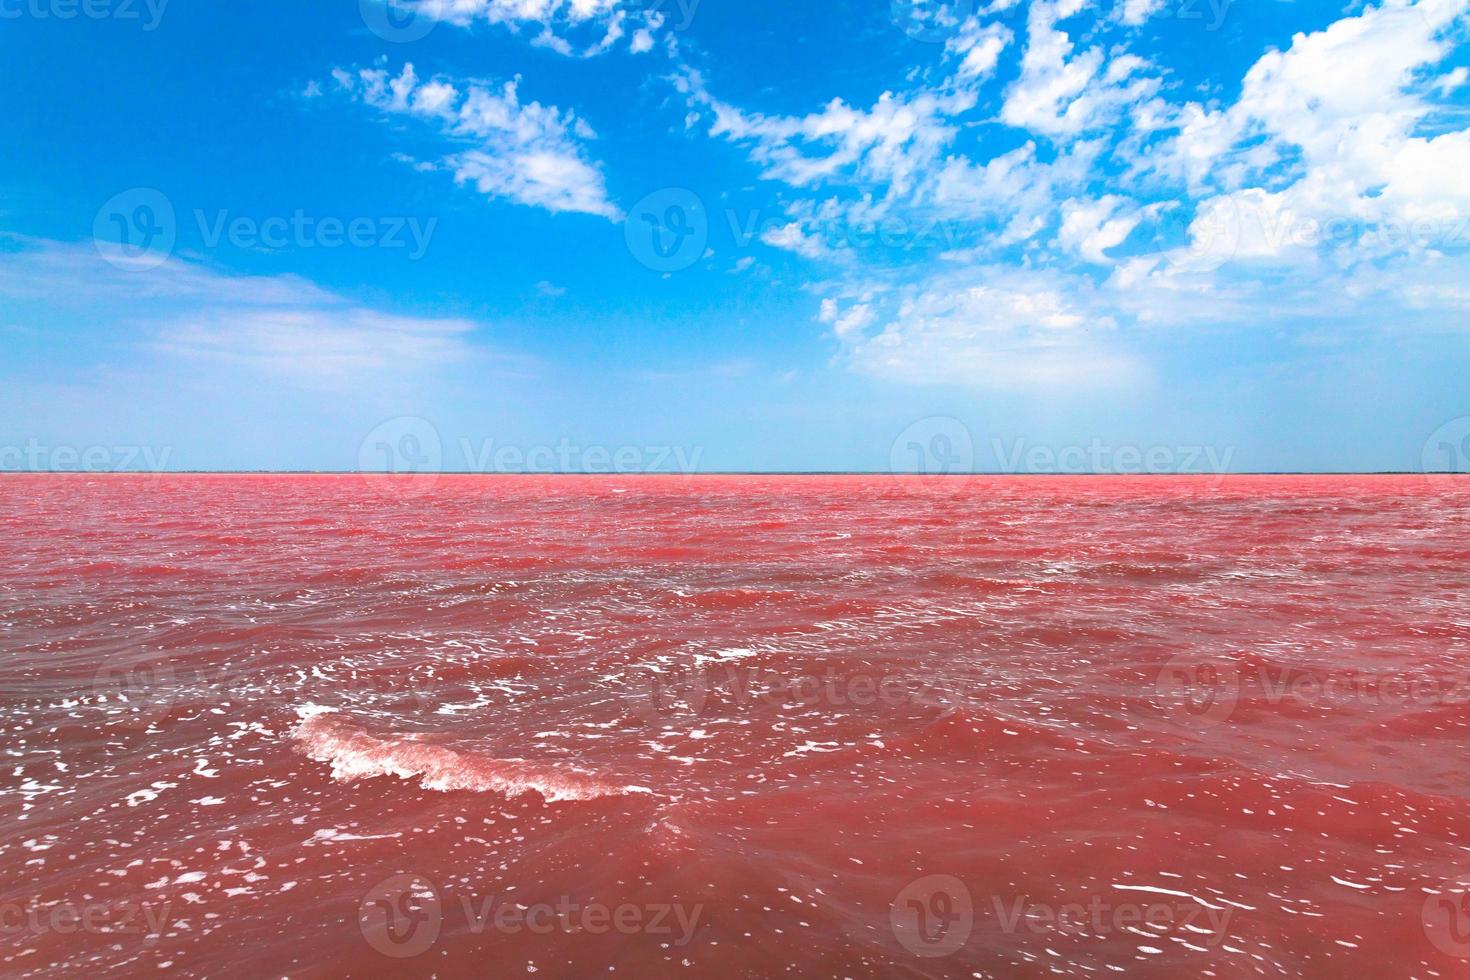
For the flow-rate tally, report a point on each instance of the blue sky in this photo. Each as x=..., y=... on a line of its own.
x=760, y=236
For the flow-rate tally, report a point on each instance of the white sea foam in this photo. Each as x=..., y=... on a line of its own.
x=354, y=754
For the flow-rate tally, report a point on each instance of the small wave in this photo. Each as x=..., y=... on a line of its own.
x=354, y=754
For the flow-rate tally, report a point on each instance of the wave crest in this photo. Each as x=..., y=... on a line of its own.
x=354, y=754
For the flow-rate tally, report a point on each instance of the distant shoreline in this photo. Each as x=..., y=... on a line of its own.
x=793, y=473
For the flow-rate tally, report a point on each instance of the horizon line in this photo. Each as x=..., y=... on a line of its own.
x=574, y=473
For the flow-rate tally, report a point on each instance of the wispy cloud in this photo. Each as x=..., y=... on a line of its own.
x=558, y=25
x=519, y=151
x=282, y=326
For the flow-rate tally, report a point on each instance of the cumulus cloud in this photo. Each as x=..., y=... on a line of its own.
x=1325, y=161
x=1342, y=158
x=1064, y=93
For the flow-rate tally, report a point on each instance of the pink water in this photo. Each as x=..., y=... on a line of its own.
x=735, y=726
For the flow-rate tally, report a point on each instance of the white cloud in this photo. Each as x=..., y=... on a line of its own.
x=1343, y=157
x=283, y=326
x=791, y=238
x=1331, y=126
x=551, y=24
x=314, y=344
x=1449, y=81
x=1089, y=228
x=895, y=142
x=1135, y=12
x=849, y=322
x=523, y=152
x=1062, y=93
x=993, y=327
